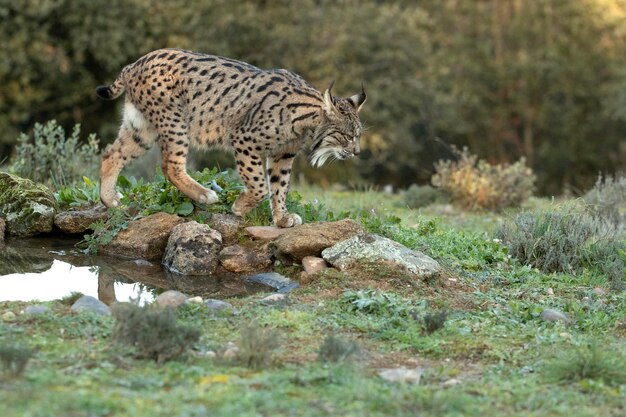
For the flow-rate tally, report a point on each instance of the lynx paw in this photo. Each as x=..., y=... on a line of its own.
x=289, y=220
x=111, y=199
x=208, y=197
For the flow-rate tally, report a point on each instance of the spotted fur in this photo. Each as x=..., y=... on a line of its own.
x=182, y=99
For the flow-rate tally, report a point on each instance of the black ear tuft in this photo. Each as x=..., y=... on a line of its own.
x=357, y=100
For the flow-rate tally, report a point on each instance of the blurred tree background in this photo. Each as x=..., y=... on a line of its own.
x=544, y=79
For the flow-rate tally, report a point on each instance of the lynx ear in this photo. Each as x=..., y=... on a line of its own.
x=329, y=101
x=357, y=100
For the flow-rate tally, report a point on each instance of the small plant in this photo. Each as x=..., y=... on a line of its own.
x=434, y=321
x=417, y=196
x=563, y=239
x=54, y=159
x=257, y=346
x=337, y=349
x=14, y=359
x=154, y=333
x=607, y=199
x=86, y=194
x=589, y=362
x=476, y=184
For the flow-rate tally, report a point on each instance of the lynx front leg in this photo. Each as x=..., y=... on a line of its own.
x=250, y=167
x=279, y=172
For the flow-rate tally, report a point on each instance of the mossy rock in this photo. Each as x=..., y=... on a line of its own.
x=28, y=208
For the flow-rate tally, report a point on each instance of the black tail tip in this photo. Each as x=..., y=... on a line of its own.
x=104, y=92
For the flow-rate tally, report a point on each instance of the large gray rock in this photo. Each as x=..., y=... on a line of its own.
x=228, y=225
x=193, y=249
x=78, y=221
x=89, y=304
x=240, y=259
x=554, y=315
x=27, y=208
x=36, y=310
x=144, y=238
x=311, y=239
x=374, y=248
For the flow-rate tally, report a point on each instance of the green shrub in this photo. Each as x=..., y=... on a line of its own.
x=417, y=196
x=257, y=346
x=434, y=321
x=14, y=359
x=563, y=239
x=154, y=333
x=588, y=362
x=54, y=159
x=476, y=184
x=608, y=199
x=337, y=349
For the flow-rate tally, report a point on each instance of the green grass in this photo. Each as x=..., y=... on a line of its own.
x=508, y=361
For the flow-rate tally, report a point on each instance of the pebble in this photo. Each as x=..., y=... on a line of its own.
x=313, y=264
x=550, y=291
x=36, y=310
x=554, y=315
x=217, y=305
x=451, y=383
x=8, y=316
x=401, y=375
x=89, y=304
x=195, y=300
x=231, y=350
x=599, y=291
x=274, y=298
x=170, y=299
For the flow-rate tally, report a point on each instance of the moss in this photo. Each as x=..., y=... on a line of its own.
x=27, y=207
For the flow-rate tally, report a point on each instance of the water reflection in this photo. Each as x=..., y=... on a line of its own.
x=50, y=268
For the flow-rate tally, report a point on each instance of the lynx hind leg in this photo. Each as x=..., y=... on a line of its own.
x=135, y=137
x=174, y=149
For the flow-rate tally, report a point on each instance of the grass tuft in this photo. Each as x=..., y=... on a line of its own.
x=257, y=346
x=589, y=362
x=154, y=333
x=337, y=349
x=14, y=359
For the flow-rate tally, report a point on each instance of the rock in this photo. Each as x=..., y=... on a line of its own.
x=374, y=248
x=311, y=239
x=452, y=382
x=550, y=292
x=218, y=305
x=278, y=282
x=412, y=376
x=596, y=290
x=27, y=208
x=274, y=298
x=195, y=300
x=78, y=221
x=313, y=264
x=231, y=351
x=3, y=227
x=89, y=304
x=228, y=225
x=170, y=299
x=192, y=249
x=554, y=315
x=239, y=259
x=265, y=232
x=145, y=238
x=36, y=310
x=8, y=316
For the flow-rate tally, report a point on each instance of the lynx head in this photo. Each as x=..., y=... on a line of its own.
x=338, y=135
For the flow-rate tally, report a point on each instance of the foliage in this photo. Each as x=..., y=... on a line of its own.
x=608, y=199
x=417, y=196
x=79, y=195
x=562, y=239
x=589, y=362
x=14, y=358
x=337, y=349
x=154, y=333
x=257, y=346
x=55, y=159
x=476, y=184
x=434, y=321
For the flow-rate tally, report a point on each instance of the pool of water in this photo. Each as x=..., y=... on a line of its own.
x=51, y=267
